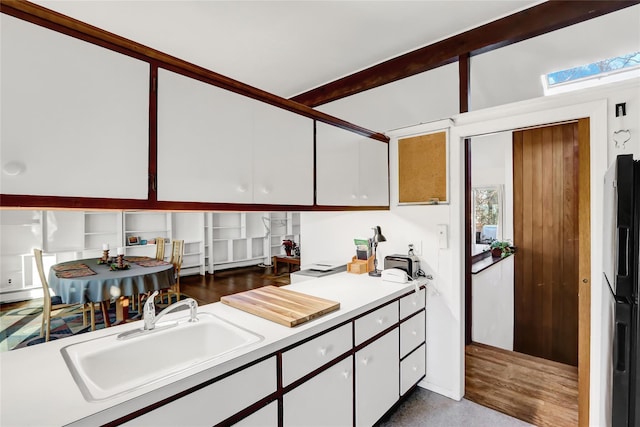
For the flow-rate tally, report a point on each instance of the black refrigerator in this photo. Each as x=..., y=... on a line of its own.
x=621, y=256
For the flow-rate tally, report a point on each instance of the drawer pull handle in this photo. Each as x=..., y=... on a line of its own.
x=414, y=333
x=322, y=351
x=415, y=368
x=414, y=302
x=346, y=374
x=366, y=361
x=380, y=320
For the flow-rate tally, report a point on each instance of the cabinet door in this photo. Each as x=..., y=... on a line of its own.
x=337, y=166
x=216, y=402
x=75, y=116
x=323, y=401
x=374, y=173
x=377, y=377
x=204, y=142
x=282, y=157
x=265, y=417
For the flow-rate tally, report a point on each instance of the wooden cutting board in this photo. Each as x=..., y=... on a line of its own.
x=289, y=308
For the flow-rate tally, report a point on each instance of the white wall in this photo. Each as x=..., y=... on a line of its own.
x=492, y=305
x=421, y=98
x=513, y=73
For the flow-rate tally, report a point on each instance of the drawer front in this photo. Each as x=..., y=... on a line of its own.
x=218, y=401
x=412, y=333
x=376, y=322
x=412, y=303
x=307, y=357
x=412, y=369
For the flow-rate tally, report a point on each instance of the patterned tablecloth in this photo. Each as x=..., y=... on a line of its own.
x=106, y=284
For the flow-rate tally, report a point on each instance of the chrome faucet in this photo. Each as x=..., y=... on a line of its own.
x=149, y=311
x=150, y=318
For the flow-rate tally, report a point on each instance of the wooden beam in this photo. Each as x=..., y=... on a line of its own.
x=464, y=74
x=526, y=24
x=58, y=22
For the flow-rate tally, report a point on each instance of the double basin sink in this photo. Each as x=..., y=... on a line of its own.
x=106, y=367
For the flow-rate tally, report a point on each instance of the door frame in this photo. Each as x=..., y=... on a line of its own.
x=533, y=113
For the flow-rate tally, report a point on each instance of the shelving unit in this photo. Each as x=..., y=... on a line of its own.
x=237, y=239
x=190, y=227
x=145, y=225
x=213, y=240
x=284, y=225
x=21, y=230
x=101, y=227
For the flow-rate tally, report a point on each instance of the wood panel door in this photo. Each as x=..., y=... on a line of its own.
x=546, y=230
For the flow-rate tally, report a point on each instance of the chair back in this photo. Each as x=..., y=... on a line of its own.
x=160, y=248
x=177, y=251
x=43, y=278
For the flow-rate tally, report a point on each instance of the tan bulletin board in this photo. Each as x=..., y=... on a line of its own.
x=422, y=169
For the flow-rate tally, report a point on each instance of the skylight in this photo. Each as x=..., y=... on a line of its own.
x=594, y=74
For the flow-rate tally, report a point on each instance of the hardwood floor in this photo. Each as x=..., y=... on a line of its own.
x=209, y=288
x=538, y=391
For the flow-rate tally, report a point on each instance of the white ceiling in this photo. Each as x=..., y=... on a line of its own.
x=286, y=47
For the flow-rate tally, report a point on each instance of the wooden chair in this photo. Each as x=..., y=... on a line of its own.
x=52, y=309
x=177, y=252
x=159, y=256
x=160, y=248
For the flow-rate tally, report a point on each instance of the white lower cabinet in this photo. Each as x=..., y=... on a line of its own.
x=265, y=417
x=218, y=401
x=377, y=374
x=325, y=400
x=356, y=371
x=412, y=368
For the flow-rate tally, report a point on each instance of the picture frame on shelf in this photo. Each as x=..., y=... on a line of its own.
x=133, y=240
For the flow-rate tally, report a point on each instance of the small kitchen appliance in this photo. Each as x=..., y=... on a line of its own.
x=408, y=263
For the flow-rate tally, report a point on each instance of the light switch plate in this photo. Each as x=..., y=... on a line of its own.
x=443, y=236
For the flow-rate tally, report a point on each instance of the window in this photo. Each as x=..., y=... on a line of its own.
x=487, y=214
x=594, y=74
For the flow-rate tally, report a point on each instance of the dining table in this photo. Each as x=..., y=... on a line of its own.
x=94, y=281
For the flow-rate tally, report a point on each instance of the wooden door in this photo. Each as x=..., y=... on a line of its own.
x=546, y=230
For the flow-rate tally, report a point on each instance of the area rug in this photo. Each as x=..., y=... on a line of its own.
x=20, y=327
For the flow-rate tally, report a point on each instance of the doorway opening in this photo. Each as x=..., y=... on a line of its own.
x=531, y=311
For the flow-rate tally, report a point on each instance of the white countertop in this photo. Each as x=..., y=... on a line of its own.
x=36, y=387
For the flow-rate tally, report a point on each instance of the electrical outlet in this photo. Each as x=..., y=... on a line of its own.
x=417, y=247
x=9, y=281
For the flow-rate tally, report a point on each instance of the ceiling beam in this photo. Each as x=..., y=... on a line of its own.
x=528, y=23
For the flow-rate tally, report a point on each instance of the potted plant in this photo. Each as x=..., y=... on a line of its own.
x=501, y=248
x=288, y=246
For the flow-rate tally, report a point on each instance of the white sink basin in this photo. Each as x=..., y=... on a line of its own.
x=108, y=366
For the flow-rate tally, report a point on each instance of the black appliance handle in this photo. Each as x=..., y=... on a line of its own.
x=621, y=347
x=623, y=251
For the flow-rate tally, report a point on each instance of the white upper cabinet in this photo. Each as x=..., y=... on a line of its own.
x=74, y=116
x=217, y=146
x=204, y=142
x=351, y=170
x=374, y=172
x=282, y=156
